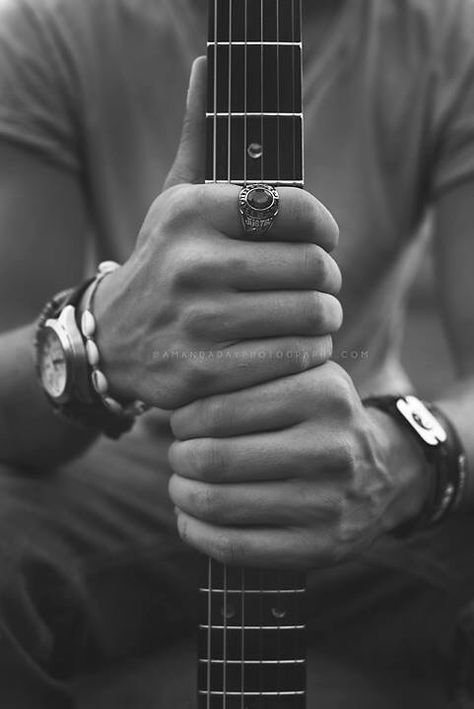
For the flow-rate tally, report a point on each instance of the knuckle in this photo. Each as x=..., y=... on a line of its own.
x=195, y=266
x=200, y=319
x=181, y=206
x=315, y=265
x=345, y=457
x=333, y=313
x=325, y=227
x=311, y=257
x=333, y=276
x=322, y=313
x=321, y=351
x=321, y=269
x=199, y=377
x=341, y=385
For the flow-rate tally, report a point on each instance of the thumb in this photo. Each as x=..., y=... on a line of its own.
x=189, y=164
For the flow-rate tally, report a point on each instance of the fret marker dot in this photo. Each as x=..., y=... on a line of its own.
x=229, y=612
x=279, y=613
x=255, y=151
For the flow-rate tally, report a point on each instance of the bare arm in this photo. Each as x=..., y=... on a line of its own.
x=42, y=238
x=454, y=252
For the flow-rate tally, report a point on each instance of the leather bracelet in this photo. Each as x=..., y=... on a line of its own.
x=443, y=450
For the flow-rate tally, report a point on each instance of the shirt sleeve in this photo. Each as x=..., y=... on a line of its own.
x=36, y=83
x=453, y=106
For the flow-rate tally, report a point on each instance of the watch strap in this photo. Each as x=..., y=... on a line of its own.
x=443, y=450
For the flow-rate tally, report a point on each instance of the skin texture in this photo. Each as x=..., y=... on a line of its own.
x=275, y=460
x=203, y=288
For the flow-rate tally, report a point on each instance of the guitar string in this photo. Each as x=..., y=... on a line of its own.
x=245, y=90
x=229, y=126
x=262, y=141
x=215, y=92
x=210, y=579
x=209, y=631
x=229, y=178
x=278, y=88
x=293, y=70
x=242, y=647
x=224, y=654
x=278, y=176
x=294, y=176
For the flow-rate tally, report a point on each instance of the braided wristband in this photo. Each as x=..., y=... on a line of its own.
x=98, y=379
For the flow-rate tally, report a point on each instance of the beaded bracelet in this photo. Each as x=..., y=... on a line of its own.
x=98, y=379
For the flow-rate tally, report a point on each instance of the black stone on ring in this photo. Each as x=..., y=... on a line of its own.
x=259, y=205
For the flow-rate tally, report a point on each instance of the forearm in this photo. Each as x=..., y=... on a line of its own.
x=31, y=434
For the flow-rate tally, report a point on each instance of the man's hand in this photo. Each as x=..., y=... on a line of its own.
x=197, y=310
x=292, y=473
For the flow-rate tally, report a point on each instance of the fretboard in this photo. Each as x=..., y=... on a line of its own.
x=251, y=639
x=252, y=631
x=254, y=106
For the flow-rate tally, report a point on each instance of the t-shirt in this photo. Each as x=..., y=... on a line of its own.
x=98, y=87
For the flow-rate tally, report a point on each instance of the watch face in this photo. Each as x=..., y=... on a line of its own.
x=52, y=364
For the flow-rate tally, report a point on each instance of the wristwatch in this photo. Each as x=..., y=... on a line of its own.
x=61, y=361
x=63, y=370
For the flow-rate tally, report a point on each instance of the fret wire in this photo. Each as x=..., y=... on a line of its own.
x=300, y=661
x=246, y=591
x=268, y=180
x=257, y=694
x=256, y=44
x=251, y=627
x=225, y=114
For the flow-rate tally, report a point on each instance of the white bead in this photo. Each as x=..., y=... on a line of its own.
x=88, y=325
x=112, y=405
x=99, y=382
x=93, y=356
x=107, y=266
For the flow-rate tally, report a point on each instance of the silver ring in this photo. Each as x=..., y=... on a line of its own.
x=259, y=205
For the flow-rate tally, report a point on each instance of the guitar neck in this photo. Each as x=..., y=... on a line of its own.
x=254, y=105
x=251, y=630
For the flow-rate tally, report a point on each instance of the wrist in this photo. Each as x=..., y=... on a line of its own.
x=407, y=466
x=115, y=360
x=443, y=451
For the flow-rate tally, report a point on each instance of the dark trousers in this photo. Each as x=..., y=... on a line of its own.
x=97, y=600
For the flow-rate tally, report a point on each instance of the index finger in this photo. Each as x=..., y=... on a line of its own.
x=301, y=216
